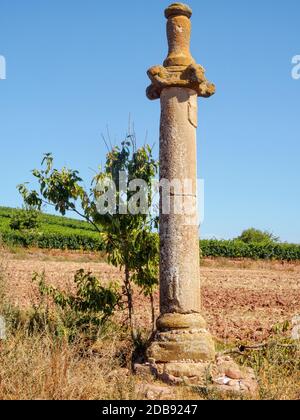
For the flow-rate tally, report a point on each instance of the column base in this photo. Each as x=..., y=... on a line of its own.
x=221, y=376
x=182, y=338
x=183, y=353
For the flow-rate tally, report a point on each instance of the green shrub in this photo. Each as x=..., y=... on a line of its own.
x=239, y=249
x=255, y=236
x=52, y=240
x=72, y=315
x=24, y=220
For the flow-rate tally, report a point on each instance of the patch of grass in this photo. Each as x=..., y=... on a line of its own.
x=36, y=367
x=277, y=366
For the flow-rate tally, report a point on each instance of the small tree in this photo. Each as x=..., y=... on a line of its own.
x=255, y=236
x=129, y=239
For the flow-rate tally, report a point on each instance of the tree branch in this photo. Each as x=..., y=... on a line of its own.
x=77, y=212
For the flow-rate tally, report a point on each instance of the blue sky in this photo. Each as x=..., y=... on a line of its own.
x=75, y=67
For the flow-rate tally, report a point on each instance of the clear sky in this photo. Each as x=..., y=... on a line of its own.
x=75, y=67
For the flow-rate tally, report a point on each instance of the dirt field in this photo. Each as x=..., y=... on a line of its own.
x=242, y=300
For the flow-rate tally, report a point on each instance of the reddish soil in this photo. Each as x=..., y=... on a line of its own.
x=242, y=300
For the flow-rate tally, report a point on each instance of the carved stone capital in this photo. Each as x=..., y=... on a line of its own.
x=179, y=68
x=192, y=77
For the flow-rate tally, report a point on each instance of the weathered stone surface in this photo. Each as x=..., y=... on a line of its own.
x=192, y=77
x=251, y=386
x=296, y=328
x=207, y=375
x=178, y=147
x=229, y=377
x=2, y=329
x=183, y=351
x=179, y=35
x=153, y=392
x=199, y=350
x=234, y=373
x=180, y=298
x=182, y=334
x=232, y=370
x=176, y=9
x=171, y=379
x=180, y=277
x=243, y=387
x=146, y=371
x=180, y=68
x=188, y=370
x=119, y=373
x=177, y=321
x=176, y=373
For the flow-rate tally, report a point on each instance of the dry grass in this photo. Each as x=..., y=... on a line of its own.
x=249, y=264
x=56, y=255
x=278, y=369
x=37, y=368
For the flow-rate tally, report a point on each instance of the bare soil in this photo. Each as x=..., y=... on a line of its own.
x=242, y=300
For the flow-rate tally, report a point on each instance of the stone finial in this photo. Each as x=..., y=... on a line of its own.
x=179, y=35
x=179, y=68
x=178, y=9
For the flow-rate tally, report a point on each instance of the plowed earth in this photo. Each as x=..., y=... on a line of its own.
x=242, y=300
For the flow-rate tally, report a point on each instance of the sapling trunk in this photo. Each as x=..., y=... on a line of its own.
x=152, y=312
x=129, y=295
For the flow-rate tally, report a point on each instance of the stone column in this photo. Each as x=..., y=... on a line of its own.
x=181, y=330
x=182, y=351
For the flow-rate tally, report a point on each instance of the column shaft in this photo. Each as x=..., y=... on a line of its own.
x=179, y=262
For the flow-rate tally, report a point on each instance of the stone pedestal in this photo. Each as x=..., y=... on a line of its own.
x=221, y=377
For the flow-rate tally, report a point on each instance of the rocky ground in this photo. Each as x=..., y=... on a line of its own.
x=242, y=300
